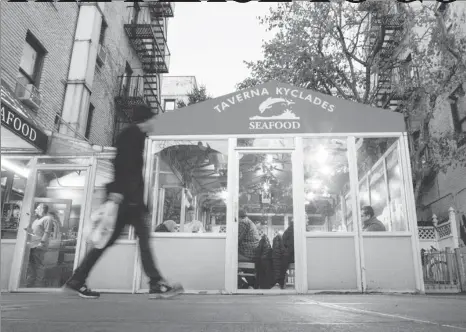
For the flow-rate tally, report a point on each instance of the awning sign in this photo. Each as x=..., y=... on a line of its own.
x=277, y=108
x=23, y=128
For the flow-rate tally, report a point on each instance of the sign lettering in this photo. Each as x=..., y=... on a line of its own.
x=23, y=128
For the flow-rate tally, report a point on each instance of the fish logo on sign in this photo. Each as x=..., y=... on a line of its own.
x=275, y=108
x=275, y=113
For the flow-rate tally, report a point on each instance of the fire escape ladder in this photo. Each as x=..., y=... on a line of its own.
x=389, y=29
x=144, y=36
x=151, y=92
x=161, y=8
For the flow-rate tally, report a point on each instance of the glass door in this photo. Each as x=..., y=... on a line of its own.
x=48, y=241
x=264, y=215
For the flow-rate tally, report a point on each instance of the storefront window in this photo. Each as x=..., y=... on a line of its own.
x=327, y=186
x=14, y=177
x=52, y=231
x=381, y=194
x=188, y=186
x=104, y=175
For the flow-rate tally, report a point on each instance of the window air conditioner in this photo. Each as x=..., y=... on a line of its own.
x=29, y=95
x=101, y=55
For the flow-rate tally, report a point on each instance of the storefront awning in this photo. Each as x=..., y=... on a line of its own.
x=19, y=129
x=276, y=108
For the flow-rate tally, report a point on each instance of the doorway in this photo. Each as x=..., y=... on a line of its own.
x=265, y=218
x=48, y=244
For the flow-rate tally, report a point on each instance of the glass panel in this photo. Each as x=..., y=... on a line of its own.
x=104, y=175
x=265, y=208
x=28, y=60
x=381, y=198
x=53, y=228
x=14, y=181
x=378, y=194
x=266, y=142
x=395, y=183
x=189, y=186
x=327, y=187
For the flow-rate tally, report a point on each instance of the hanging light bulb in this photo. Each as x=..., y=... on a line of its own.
x=310, y=196
x=326, y=170
x=266, y=186
x=316, y=184
x=322, y=154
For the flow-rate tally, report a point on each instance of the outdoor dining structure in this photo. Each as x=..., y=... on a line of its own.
x=261, y=191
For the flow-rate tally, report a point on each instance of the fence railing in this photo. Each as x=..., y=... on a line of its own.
x=441, y=234
x=441, y=270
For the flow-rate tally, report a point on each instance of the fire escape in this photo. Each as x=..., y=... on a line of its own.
x=386, y=32
x=146, y=31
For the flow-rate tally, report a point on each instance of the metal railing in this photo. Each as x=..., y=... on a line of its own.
x=130, y=86
x=440, y=270
x=147, y=34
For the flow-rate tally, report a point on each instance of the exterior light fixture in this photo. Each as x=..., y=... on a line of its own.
x=18, y=170
x=310, y=196
x=322, y=155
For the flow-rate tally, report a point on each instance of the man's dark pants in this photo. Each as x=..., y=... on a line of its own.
x=36, y=269
x=127, y=214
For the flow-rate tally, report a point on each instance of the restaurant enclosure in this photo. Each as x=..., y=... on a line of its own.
x=301, y=164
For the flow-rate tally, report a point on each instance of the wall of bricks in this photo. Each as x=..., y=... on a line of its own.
x=105, y=86
x=53, y=25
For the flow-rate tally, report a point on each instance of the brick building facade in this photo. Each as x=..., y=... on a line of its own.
x=119, y=54
x=77, y=97
x=53, y=36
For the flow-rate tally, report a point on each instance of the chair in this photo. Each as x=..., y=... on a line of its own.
x=246, y=270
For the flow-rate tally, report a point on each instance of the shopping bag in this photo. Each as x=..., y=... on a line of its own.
x=103, y=222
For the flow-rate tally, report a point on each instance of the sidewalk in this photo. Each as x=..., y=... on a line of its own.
x=136, y=313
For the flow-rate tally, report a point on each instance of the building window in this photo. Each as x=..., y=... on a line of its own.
x=32, y=60
x=169, y=104
x=57, y=123
x=89, y=121
x=135, y=13
x=126, y=82
x=103, y=29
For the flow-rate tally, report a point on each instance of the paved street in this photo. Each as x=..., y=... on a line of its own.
x=115, y=312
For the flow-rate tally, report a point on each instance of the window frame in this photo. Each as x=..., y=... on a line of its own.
x=102, y=33
x=165, y=104
x=38, y=66
x=90, y=116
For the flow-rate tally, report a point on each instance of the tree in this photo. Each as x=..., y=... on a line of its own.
x=333, y=48
x=197, y=95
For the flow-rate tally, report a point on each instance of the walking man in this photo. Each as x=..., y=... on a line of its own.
x=127, y=190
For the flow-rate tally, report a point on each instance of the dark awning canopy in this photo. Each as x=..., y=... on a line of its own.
x=276, y=108
x=18, y=121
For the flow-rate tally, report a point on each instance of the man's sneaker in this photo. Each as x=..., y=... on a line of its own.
x=163, y=290
x=82, y=291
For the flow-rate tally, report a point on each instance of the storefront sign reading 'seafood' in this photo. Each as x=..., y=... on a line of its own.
x=19, y=125
x=275, y=107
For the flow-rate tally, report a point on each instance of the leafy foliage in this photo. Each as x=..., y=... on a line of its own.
x=340, y=48
x=197, y=95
